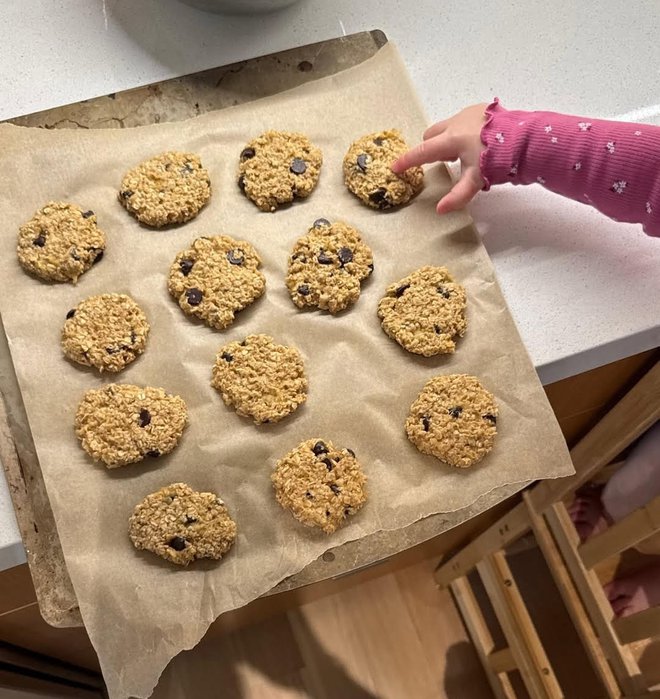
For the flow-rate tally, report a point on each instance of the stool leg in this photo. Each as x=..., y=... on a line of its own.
x=481, y=637
x=530, y=657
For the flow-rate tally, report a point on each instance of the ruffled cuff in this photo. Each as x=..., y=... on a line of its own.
x=504, y=136
x=486, y=130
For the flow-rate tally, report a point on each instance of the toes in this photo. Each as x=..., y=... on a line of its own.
x=621, y=606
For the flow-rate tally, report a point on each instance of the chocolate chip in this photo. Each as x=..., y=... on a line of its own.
x=444, y=291
x=320, y=448
x=112, y=350
x=190, y=520
x=328, y=464
x=379, y=141
x=438, y=329
x=247, y=153
x=324, y=258
x=304, y=290
x=298, y=256
x=350, y=451
x=145, y=417
x=348, y=511
x=320, y=222
x=194, y=296
x=177, y=543
x=362, y=161
x=456, y=412
x=186, y=265
x=98, y=257
x=74, y=255
x=241, y=183
x=243, y=343
x=133, y=337
x=127, y=194
x=153, y=453
x=298, y=166
x=345, y=255
x=87, y=214
x=71, y=313
x=309, y=496
x=335, y=488
x=426, y=423
x=235, y=257
x=187, y=169
x=40, y=240
x=227, y=357
x=401, y=289
x=379, y=198
x=490, y=418
x=371, y=268
x=327, y=513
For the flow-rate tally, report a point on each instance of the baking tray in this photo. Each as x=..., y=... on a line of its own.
x=167, y=101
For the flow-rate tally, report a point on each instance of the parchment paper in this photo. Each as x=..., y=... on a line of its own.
x=138, y=610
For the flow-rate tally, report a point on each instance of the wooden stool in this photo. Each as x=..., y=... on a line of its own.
x=543, y=512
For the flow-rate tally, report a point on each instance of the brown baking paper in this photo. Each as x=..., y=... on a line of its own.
x=140, y=611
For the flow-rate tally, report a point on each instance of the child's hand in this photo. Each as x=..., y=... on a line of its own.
x=458, y=137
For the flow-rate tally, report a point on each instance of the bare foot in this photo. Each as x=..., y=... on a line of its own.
x=587, y=512
x=635, y=592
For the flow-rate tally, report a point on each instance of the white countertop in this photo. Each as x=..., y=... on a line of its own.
x=583, y=290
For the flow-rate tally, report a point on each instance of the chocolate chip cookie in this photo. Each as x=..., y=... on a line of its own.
x=121, y=424
x=169, y=188
x=454, y=418
x=60, y=242
x=215, y=278
x=320, y=484
x=180, y=525
x=368, y=171
x=327, y=266
x=108, y=332
x=260, y=379
x=277, y=168
x=425, y=311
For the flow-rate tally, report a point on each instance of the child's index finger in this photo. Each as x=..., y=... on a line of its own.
x=434, y=149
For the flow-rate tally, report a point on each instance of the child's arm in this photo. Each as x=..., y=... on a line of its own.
x=614, y=166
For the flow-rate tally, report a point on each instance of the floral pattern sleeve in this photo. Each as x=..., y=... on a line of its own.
x=613, y=166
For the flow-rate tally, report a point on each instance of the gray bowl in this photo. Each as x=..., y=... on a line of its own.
x=244, y=7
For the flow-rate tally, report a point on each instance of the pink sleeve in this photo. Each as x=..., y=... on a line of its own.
x=613, y=166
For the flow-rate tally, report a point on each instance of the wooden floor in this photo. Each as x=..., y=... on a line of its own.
x=393, y=637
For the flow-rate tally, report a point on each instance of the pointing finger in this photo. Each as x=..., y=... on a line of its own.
x=430, y=151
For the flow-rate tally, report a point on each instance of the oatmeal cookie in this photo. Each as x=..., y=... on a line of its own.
x=320, y=484
x=121, y=424
x=169, y=188
x=215, y=278
x=278, y=167
x=454, y=418
x=180, y=525
x=425, y=311
x=107, y=332
x=368, y=171
x=60, y=242
x=260, y=379
x=327, y=266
